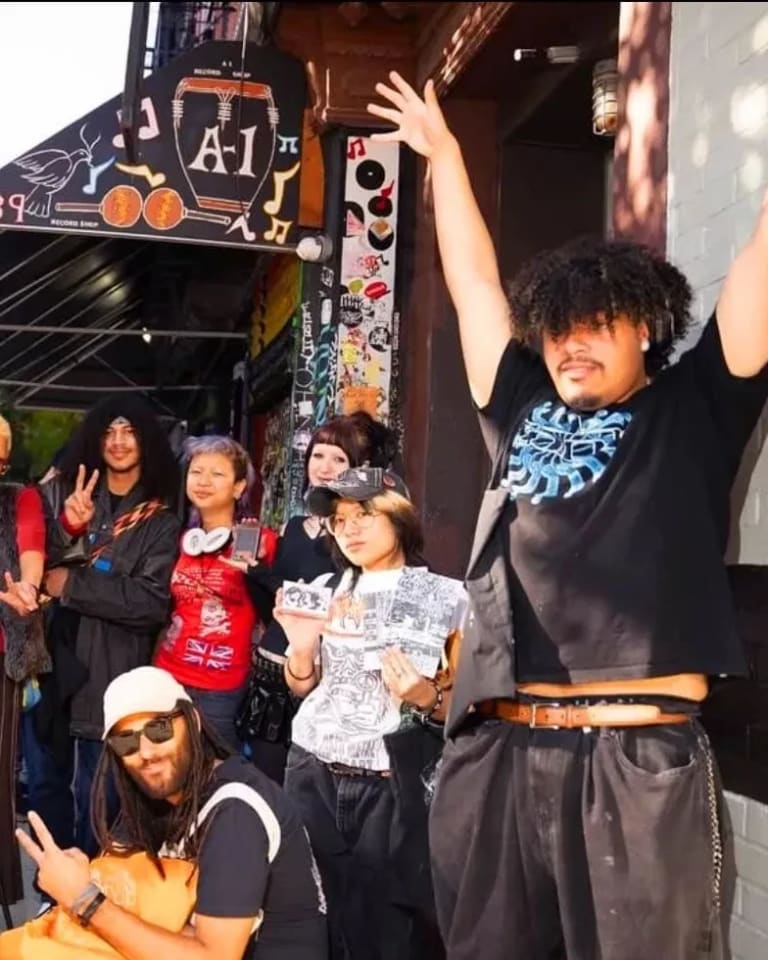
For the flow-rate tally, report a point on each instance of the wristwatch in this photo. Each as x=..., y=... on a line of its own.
x=87, y=904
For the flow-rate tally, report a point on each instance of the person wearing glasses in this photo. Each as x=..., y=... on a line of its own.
x=183, y=795
x=363, y=695
x=303, y=553
x=22, y=647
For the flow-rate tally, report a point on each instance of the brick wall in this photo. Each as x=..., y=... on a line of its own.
x=749, y=923
x=718, y=172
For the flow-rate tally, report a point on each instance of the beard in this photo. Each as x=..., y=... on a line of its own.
x=126, y=467
x=586, y=402
x=171, y=781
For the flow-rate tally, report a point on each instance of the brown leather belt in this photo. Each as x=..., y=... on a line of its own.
x=571, y=715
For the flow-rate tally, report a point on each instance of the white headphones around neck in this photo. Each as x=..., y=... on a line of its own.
x=197, y=541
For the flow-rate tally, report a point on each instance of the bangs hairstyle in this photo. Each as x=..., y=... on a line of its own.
x=403, y=517
x=159, y=470
x=364, y=440
x=237, y=456
x=593, y=281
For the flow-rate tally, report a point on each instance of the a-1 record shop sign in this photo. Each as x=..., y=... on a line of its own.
x=219, y=158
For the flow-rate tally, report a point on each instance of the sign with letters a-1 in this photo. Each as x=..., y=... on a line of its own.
x=219, y=158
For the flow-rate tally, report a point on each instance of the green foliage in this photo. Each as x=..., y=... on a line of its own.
x=37, y=436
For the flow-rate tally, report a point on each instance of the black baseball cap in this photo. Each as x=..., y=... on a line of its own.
x=358, y=483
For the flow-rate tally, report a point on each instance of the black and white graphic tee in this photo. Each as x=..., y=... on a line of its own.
x=346, y=717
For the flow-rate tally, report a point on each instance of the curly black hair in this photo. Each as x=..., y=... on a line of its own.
x=593, y=280
x=160, y=476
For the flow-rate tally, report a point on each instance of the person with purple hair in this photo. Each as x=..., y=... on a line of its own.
x=207, y=645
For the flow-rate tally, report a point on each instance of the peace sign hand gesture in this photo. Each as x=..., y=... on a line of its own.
x=62, y=874
x=19, y=595
x=78, y=507
x=420, y=123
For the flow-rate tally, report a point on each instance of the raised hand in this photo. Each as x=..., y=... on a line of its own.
x=78, y=507
x=19, y=595
x=420, y=123
x=62, y=874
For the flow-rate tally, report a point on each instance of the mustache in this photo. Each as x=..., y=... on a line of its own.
x=577, y=361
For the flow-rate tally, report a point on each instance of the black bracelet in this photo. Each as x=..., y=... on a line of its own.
x=288, y=668
x=86, y=916
x=427, y=713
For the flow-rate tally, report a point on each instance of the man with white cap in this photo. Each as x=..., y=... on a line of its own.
x=258, y=891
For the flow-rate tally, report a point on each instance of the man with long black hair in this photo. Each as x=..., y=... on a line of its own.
x=112, y=541
x=183, y=794
x=578, y=812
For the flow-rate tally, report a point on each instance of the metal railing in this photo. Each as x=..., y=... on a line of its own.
x=182, y=26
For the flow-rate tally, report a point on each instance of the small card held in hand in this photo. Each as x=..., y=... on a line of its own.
x=245, y=542
x=305, y=599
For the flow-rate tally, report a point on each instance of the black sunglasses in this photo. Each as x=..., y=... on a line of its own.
x=156, y=730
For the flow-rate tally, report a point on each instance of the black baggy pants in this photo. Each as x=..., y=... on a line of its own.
x=602, y=844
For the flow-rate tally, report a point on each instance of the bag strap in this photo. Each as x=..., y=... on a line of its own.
x=142, y=511
x=247, y=794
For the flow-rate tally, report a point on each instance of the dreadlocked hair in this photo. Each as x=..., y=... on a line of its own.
x=159, y=471
x=144, y=824
x=594, y=281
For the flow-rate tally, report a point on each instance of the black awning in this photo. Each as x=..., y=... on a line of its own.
x=80, y=317
x=98, y=256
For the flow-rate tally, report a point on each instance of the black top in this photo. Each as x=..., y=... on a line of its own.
x=618, y=520
x=298, y=557
x=236, y=879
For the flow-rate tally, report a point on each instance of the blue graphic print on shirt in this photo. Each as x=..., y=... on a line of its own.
x=558, y=452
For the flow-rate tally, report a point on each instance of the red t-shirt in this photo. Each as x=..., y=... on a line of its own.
x=30, y=531
x=208, y=642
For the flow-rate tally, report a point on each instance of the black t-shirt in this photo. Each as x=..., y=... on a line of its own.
x=237, y=880
x=618, y=519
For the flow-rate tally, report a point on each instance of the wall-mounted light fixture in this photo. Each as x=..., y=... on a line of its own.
x=605, y=98
x=558, y=55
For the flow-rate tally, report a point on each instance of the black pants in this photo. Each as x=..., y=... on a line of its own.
x=349, y=821
x=11, y=889
x=573, y=845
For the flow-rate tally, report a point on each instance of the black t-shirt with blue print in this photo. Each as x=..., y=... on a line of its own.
x=618, y=519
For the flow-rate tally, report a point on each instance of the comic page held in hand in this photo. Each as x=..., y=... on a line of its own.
x=423, y=612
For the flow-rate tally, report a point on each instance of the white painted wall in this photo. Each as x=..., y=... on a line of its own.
x=718, y=173
x=58, y=61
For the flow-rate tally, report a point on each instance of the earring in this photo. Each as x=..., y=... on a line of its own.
x=645, y=346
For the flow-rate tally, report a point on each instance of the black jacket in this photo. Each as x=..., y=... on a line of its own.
x=121, y=603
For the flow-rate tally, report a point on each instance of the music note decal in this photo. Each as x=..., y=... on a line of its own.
x=143, y=170
x=90, y=188
x=279, y=230
x=241, y=224
x=147, y=131
x=355, y=149
x=281, y=177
